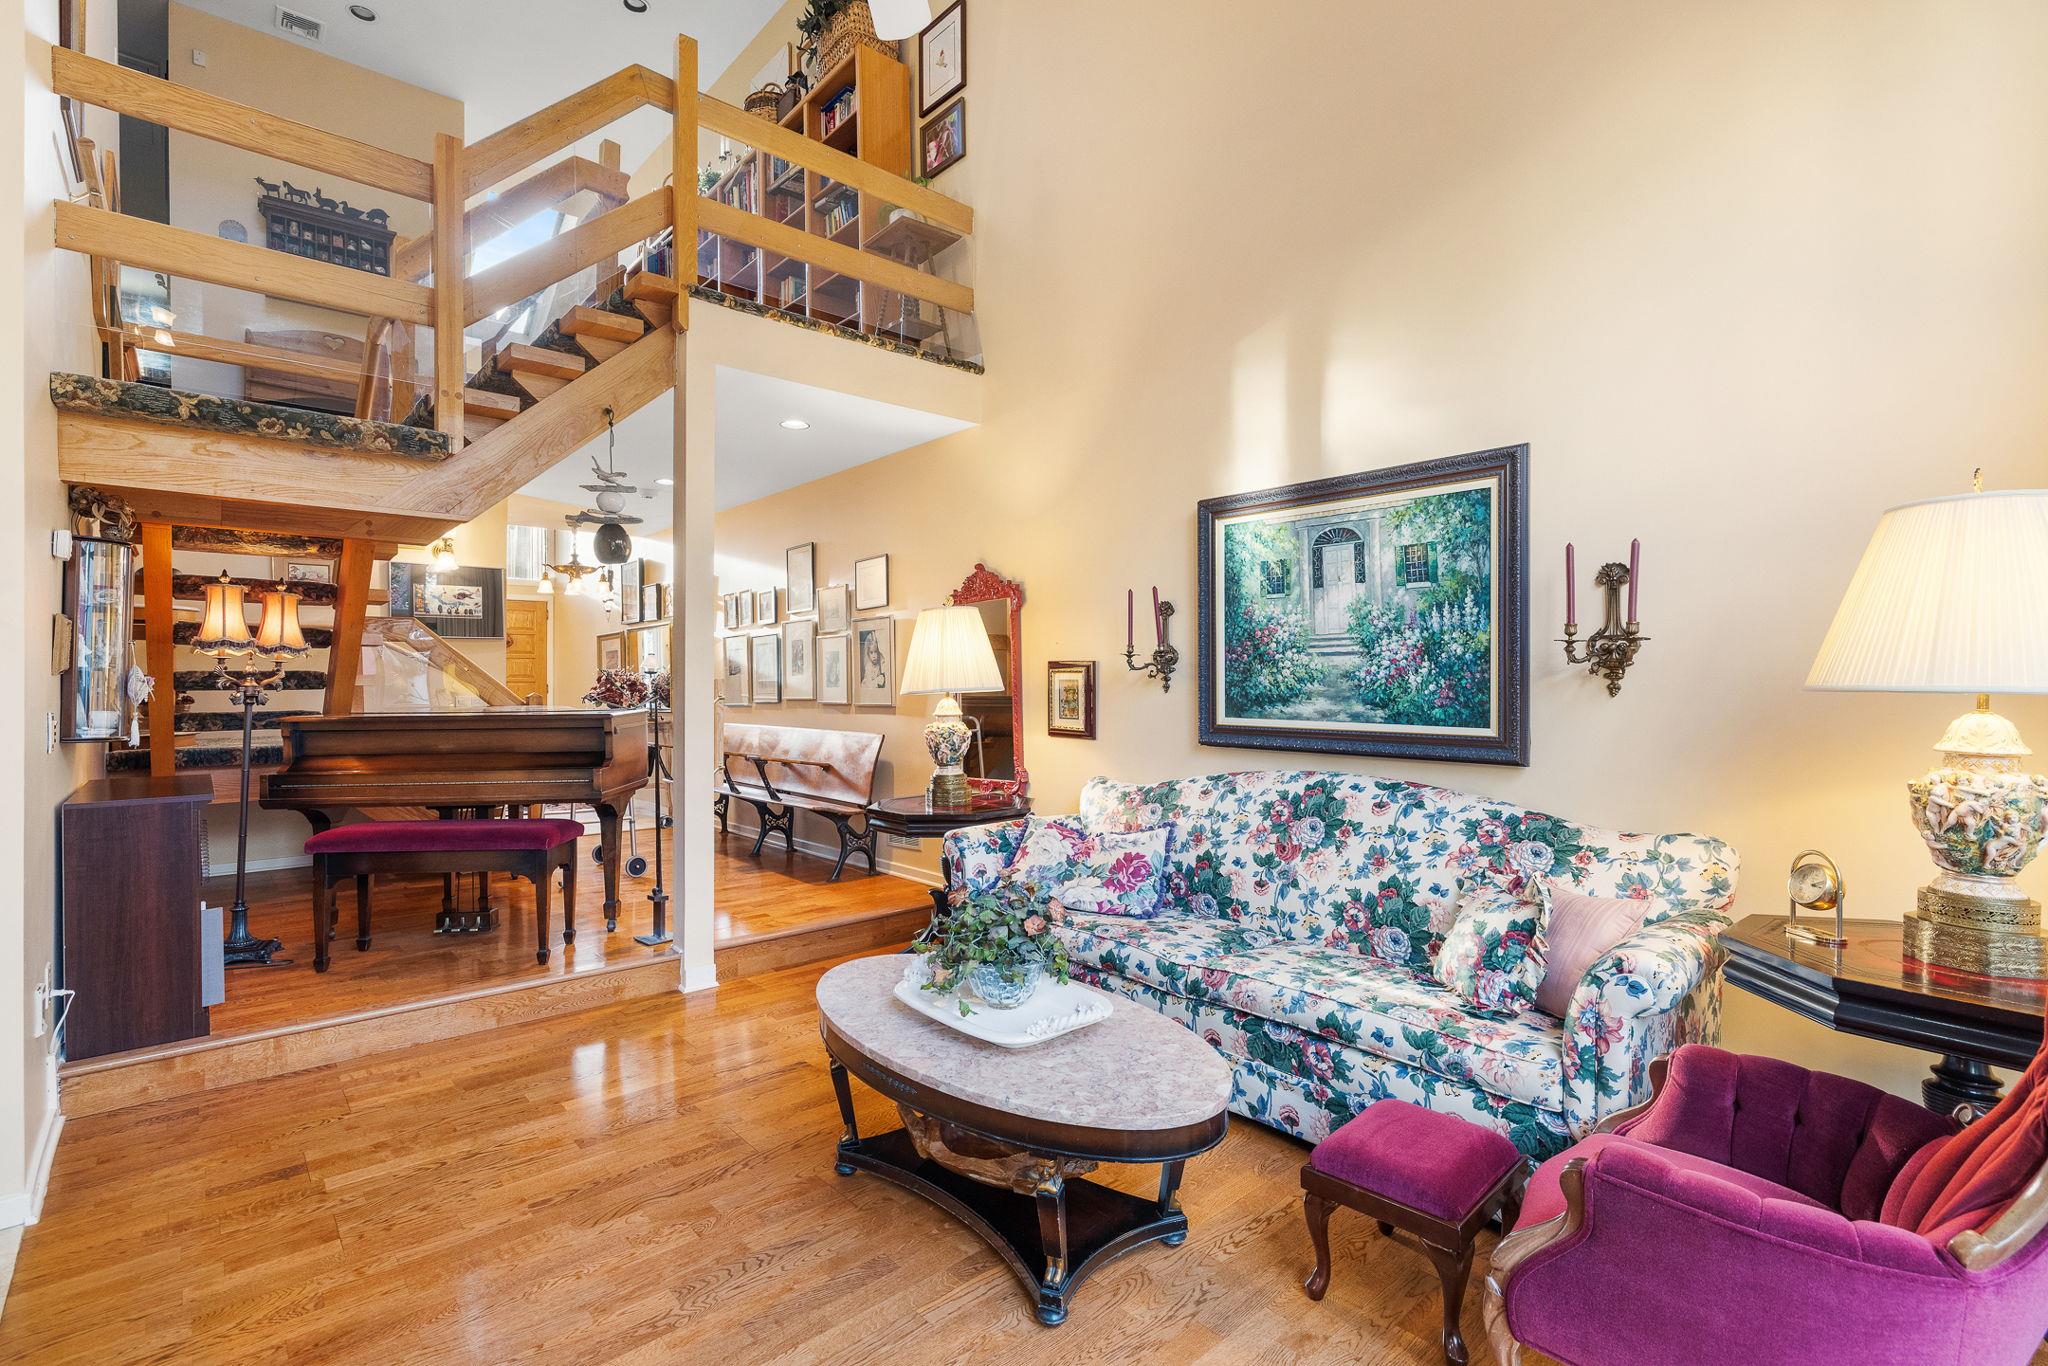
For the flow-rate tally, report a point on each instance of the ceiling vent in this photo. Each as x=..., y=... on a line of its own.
x=298, y=25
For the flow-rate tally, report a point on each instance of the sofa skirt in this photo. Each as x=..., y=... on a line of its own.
x=1306, y=1085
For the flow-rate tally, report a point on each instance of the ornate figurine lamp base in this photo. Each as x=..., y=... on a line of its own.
x=1982, y=817
x=947, y=737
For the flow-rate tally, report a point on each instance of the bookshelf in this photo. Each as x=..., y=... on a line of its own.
x=861, y=107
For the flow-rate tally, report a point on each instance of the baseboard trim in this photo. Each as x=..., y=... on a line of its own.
x=26, y=1206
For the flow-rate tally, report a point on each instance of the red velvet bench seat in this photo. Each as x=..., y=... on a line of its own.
x=1421, y=1171
x=527, y=848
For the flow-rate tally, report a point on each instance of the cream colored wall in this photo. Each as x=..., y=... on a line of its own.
x=211, y=182
x=41, y=291
x=1742, y=275
x=575, y=623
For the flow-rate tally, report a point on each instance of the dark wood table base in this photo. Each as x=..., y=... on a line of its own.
x=1053, y=1238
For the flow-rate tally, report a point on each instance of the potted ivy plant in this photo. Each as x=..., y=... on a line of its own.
x=830, y=28
x=997, y=945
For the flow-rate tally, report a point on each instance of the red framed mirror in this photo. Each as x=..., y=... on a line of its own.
x=1001, y=716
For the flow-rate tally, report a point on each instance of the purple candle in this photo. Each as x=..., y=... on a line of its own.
x=1158, y=622
x=1635, y=569
x=1571, y=587
x=1130, y=619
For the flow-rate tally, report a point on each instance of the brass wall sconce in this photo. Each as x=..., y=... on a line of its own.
x=1164, y=659
x=1611, y=649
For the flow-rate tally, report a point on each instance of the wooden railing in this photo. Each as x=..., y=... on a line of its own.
x=452, y=300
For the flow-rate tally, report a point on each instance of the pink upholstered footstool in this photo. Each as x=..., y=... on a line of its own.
x=1425, y=1173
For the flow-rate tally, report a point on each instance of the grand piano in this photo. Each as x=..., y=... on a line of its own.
x=450, y=761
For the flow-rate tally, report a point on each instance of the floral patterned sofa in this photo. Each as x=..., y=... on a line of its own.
x=1302, y=913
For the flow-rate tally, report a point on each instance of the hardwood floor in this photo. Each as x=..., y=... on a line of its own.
x=407, y=962
x=647, y=1182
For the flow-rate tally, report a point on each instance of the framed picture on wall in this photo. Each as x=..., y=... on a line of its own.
x=301, y=571
x=944, y=139
x=871, y=583
x=649, y=596
x=835, y=678
x=630, y=610
x=799, y=661
x=611, y=650
x=874, y=662
x=743, y=611
x=764, y=607
x=800, y=577
x=1070, y=698
x=942, y=58
x=767, y=648
x=1414, y=564
x=834, y=608
x=733, y=686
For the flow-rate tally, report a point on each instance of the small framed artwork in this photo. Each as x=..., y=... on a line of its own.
x=799, y=661
x=649, y=602
x=834, y=608
x=611, y=650
x=630, y=610
x=1421, y=562
x=871, y=583
x=764, y=607
x=664, y=599
x=733, y=685
x=1070, y=698
x=874, y=662
x=942, y=58
x=835, y=678
x=302, y=571
x=767, y=650
x=944, y=139
x=800, y=581
x=649, y=648
x=742, y=611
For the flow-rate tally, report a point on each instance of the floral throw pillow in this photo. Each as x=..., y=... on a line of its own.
x=1493, y=956
x=1110, y=874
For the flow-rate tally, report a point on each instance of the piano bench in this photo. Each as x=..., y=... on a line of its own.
x=533, y=849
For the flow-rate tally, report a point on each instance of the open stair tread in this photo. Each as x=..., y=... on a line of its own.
x=489, y=403
x=522, y=359
x=585, y=322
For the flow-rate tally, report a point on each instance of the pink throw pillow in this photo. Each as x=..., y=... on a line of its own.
x=1582, y=931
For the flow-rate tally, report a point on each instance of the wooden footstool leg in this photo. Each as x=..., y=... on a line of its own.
x=1318, y=1211
x=362, y=911
x=1454, y=1269
x=569, y=897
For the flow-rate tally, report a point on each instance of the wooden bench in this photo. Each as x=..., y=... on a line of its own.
x=781, y=770
x=533, y=849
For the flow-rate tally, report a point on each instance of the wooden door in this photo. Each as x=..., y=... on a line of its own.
x=1339, y=563
x=526, y=648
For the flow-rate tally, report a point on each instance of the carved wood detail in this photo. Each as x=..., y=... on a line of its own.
x=985, y=585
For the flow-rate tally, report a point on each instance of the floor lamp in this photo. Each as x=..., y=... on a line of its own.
x=224, y=634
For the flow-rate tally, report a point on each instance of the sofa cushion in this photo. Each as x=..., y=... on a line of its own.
x=1168, y=952
x=1578, y=932
x=1493, y=957
x=1114, y=873
x=1544, y=1198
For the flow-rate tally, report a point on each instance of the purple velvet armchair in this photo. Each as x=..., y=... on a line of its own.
x=1753, y=1211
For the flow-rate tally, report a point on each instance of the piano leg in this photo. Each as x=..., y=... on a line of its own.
x=608, y=832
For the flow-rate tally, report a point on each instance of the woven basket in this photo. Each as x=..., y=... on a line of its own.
x=850, y=27
x=765, y=102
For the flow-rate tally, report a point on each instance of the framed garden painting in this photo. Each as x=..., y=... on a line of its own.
x=1383, y=613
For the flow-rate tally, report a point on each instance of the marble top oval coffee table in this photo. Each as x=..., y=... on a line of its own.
x=999, y=1137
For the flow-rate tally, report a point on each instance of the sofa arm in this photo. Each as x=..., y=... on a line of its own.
x=1659, y=988
x=1733, y=1275
x=974, y=856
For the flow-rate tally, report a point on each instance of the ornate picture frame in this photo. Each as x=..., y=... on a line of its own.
x=1401, y=630
x=1070, y=698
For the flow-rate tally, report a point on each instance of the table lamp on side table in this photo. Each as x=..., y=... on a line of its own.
x=1948, y=599
x=949, y=655
x=224, y=634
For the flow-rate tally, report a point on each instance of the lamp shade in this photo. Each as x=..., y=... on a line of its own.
x=279, y=636
x=224, y=626
x=949, y=652
x=899, y=18
x=1946, y=599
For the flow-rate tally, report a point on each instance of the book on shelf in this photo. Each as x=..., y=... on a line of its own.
x=836, y=111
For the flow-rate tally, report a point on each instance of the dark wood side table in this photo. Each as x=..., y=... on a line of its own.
x=917, y=818
x=1870, y=988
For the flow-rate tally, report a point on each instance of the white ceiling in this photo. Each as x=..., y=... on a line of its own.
x=505, y=59
x=756, y=455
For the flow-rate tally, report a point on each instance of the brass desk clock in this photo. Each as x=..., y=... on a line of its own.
x=1816, y=884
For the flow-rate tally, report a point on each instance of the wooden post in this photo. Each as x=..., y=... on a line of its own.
x=450, y=273
x=345, y=653
x=158, y=649
x=683, y=188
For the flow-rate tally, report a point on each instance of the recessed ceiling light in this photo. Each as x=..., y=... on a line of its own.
x=666, y=483
x=796, y=424
x=637, y=6
x=364, y=13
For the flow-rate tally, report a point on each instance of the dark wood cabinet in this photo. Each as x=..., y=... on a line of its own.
x=133, y=949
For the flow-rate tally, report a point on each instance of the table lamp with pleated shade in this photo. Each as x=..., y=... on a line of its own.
x=950, y=654
x=1949, y=597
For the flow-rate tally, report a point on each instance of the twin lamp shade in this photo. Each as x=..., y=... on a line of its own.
x=950, y=653
x=224, y=626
